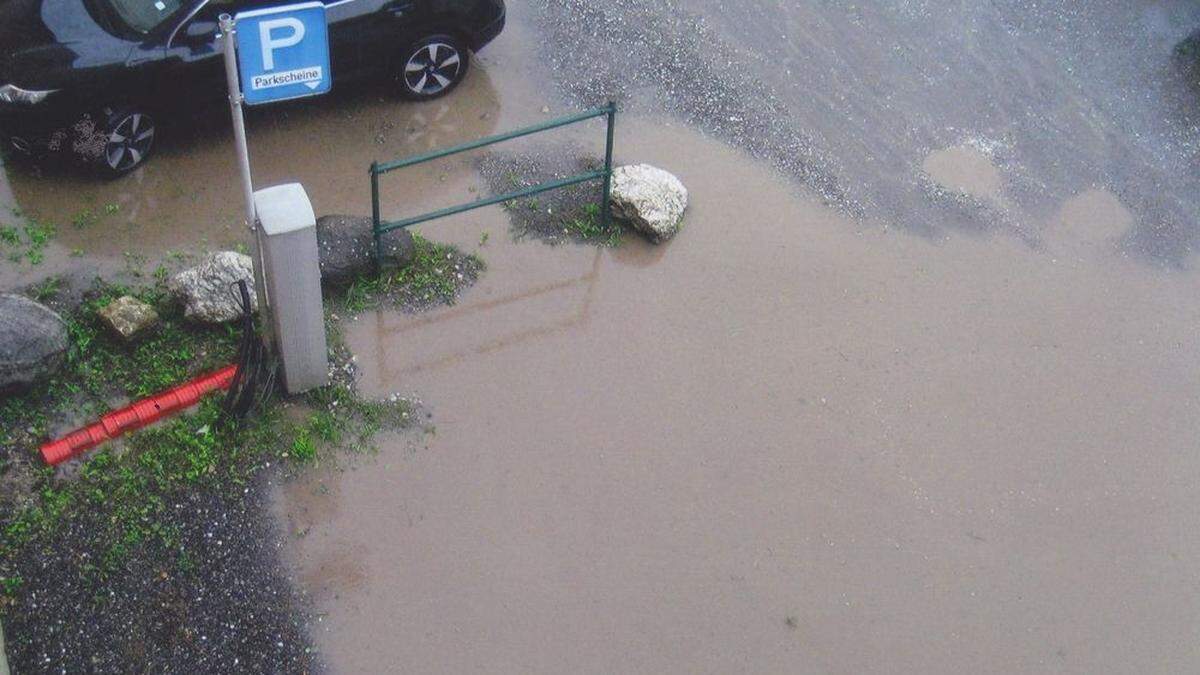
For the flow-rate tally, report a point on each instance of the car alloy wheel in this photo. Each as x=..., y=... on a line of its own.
x=433, y=68
x=130, y=139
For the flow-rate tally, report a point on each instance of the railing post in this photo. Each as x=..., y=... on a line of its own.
x=375, y=223
x=605, y=216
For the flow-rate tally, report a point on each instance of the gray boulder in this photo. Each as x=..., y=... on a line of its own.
x=33, y=341
x=128, y=317
x=209, y=290
x=346, y=248
x=649, y=199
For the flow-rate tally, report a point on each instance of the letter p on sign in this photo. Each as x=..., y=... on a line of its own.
x=290, y=32
x=283, y=52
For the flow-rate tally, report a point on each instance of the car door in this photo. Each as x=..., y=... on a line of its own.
x=345, y=19
x=185, y=61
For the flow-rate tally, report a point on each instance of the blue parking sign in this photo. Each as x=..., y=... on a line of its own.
x=283, y=52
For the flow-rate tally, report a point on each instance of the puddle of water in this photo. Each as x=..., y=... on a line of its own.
x=187, y=198
x=965, y=170
x=778, y=444
x=1094, y=220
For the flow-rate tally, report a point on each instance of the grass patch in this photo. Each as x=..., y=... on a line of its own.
x=586, y=225
x=100, y=368
x=434, y=277
x=120, y=501
x=47, y=289
x=26, y=242
x=122, y=507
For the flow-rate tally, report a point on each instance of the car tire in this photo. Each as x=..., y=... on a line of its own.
x=432, y=66
x=125, y=140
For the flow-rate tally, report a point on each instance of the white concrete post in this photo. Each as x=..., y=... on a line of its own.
x=293, y=278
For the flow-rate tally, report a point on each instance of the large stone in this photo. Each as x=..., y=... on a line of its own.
x=346, y=248
x=128, y=317
x=649, y=199
x=33, y=341
x=209, y=290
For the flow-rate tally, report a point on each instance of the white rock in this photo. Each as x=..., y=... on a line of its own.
x=649, y=199
x=209, y=290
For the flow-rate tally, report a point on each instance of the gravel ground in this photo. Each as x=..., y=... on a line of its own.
x=219, y=604
x=657, y=56
x=850, y=98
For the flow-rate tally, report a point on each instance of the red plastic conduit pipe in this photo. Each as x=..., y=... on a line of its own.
x=136, y=416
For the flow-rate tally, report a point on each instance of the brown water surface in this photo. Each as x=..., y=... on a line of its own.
x=777, y=444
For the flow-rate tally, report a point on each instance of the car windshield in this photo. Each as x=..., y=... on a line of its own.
x=144, y=16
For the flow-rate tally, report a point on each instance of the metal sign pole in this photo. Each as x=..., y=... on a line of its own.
x=243, y=155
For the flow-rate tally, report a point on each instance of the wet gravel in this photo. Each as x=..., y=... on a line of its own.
x=657, y=56
x=219, y=603
x=849, y=98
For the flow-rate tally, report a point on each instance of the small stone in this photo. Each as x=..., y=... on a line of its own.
x=128, y=317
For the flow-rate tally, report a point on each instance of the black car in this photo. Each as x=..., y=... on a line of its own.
x=95, y=77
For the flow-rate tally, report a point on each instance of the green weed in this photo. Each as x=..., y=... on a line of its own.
x=588, y=226
x=435, y=276
x=303, y=448
x=47, y=289
x=84, y=218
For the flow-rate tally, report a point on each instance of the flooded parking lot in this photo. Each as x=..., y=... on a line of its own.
x=913, y=391
x=783, y=443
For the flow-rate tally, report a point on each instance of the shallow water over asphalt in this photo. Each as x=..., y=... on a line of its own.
x=781, y=443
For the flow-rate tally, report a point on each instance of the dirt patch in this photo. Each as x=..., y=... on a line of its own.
x=569, y=214
x=436, y=276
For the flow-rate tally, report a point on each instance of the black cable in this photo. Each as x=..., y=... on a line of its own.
x=235, y=385
x=242, y=391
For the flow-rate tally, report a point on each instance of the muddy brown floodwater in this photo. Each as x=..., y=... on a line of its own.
x=781, y=443
x=788, y=441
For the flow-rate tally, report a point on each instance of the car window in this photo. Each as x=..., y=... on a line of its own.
x=144, y=16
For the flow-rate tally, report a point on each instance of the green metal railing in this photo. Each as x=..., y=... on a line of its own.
x=381, y=227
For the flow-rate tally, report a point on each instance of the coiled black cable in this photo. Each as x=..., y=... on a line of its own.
x=253, y=373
